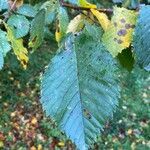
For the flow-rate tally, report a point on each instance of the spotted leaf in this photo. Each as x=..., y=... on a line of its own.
x=119, y=33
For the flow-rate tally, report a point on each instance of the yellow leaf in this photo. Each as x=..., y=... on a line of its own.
x=102, y=18
x=34, y=121
x=84, y=3
x=1, y=144
x=58, y=34
x=39, y=147
x=61, y=144
x=129, y=131
x=17, y=45
x=119, y=33
x=19, y=3
x=76, y=24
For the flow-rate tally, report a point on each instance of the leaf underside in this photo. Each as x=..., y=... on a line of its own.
x=79, y=89
x=141, y=41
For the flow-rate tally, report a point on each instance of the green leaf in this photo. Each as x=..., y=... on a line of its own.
x=20, y=24
x=72, y=1
x=118, y=35
x=4, y=44
x=141, y=41
x=50, y=6
x=37, y=30
x=117, y=1
x=79, y=89
x=3, y=4
x=1, y=60
x=132, y=4
x=27, y=10
x=63, y=21
x=51, y=10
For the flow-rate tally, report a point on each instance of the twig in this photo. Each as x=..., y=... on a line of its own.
x=6, y=16
x=64, y=4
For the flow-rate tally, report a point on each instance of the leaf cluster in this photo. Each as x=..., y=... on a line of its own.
x=80, y=87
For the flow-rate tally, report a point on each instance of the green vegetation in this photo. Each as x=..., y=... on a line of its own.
x=23, y=124
x=74, y=74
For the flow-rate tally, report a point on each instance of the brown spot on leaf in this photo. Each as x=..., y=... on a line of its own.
x=34, y=39
x=127, y=26
x=122, y=32
x=87, y=114
x=132, y=26
x=115, y=24
x=119, y=41
x=115, y=39
x=122, y=20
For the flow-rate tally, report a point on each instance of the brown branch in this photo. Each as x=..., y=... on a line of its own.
x=7, y=15
x=64, y=4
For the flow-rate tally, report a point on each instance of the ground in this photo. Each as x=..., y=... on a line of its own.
x=23, y=124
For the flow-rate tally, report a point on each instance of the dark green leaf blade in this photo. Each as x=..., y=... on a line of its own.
x=79, y=89
x=141, y=40
x=20, y=24
x=1, y=60
x=37, y=30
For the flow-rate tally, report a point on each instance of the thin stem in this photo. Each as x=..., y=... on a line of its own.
x=6, y=16
x=64, y=4
x=13, y=5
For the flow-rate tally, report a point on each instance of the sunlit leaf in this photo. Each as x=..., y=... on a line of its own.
x=102, y=18
x=17, y=46
x=76, y=24
x=119, y=34
x=86, y=4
